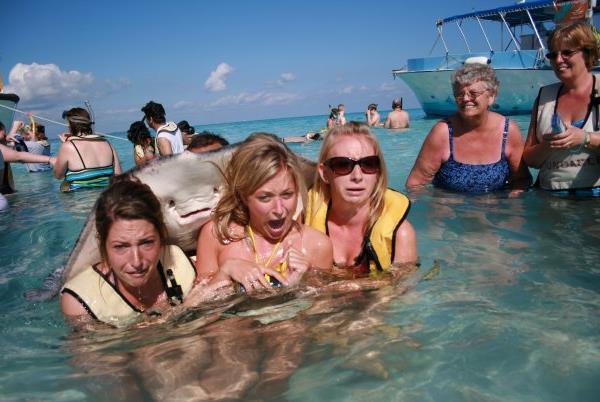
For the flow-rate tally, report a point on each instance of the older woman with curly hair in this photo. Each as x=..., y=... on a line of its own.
x=564, y=139
x=475, y=150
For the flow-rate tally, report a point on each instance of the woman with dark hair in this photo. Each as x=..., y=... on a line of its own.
x=564, y=139
x=85, y=160
x=139, y=273
x=143, y=143
x=37, y=143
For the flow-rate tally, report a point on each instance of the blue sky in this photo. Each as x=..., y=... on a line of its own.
x=210, y=62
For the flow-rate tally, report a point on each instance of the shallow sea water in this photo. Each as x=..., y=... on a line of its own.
x=511, y=315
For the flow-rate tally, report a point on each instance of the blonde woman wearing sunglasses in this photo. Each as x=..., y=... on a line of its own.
x=563, y=140
x=350, y=201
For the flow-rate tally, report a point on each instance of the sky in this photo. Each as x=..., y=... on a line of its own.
x=213, y=62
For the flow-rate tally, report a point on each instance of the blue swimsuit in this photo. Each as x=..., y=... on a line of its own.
x=467, y=178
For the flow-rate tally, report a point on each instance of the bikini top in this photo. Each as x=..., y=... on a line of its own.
x=112, y=162
x=473, y=178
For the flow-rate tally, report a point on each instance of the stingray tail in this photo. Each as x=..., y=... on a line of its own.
x=50, y=287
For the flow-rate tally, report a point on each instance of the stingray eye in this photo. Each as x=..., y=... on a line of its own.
x=171, y=203
x=215, y=190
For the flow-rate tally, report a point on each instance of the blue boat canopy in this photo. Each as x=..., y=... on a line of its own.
x=540, y=10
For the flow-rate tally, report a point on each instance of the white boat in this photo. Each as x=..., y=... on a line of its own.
x=520, y=63
x=8, y=102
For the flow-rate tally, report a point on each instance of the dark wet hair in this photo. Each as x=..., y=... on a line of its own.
x=155, y=111
x=138, y=133
x=40, y=132
x=185, y=127
x=79, y=121
x=372, y=106
x=2, y=127
x=206, y=138
x=127, y=198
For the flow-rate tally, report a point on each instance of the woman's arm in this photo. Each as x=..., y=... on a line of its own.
x=62, y=160
x=71, y=307
x=207, y=247
x=534, y=152
x=406, y=244
x=117, y=166
x=318, y=248
x=519, y=177
x=434, y=151
x=10, y=155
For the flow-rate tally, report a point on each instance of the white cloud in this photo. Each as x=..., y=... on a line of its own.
x=388, y=86
x=287, y=77
x=261, y=98
x=184, y=105
x=43, y=83
x=216, y=79
x=347, y=90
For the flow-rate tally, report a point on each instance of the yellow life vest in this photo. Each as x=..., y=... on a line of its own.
x=378, y=245
x=105, y=303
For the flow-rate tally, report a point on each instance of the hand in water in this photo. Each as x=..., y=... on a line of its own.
x=250, y=275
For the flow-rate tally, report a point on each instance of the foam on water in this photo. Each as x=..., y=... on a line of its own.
x=511, y=315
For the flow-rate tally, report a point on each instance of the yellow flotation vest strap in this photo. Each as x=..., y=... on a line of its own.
x=378, y=245
x=281, y=267
x=105, y=303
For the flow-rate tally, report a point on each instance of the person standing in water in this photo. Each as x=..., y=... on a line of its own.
x=168, y=136
x=351, y=202
x=397, y=118
x=254, y=236
x=85, y=160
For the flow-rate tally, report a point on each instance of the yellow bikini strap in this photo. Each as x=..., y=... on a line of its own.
x=253, y=240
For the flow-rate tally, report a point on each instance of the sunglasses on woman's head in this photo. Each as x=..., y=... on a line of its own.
x=341, y=165
x=565, y=53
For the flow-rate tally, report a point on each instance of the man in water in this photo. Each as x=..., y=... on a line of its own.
x=397, y=118
x=168, y=136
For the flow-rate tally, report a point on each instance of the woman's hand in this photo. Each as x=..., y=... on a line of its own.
x=569, y=138
x=250, y=275
x=297, y=263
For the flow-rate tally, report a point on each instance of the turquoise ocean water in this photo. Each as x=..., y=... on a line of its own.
x=512, y=315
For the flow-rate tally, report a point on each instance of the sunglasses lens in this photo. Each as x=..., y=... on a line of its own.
x=370, y=164
x=340, y=165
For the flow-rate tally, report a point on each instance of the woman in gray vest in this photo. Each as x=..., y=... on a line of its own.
x=563, y=140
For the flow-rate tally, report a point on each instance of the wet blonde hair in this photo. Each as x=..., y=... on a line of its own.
x=260, y=158
x=357, y=130
x=578, y=35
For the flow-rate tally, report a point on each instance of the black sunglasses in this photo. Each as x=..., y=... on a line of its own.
x=566, y=54
x=342, y=166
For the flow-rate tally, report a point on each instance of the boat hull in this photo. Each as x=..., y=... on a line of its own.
x=7, y=115
x=517, y=92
